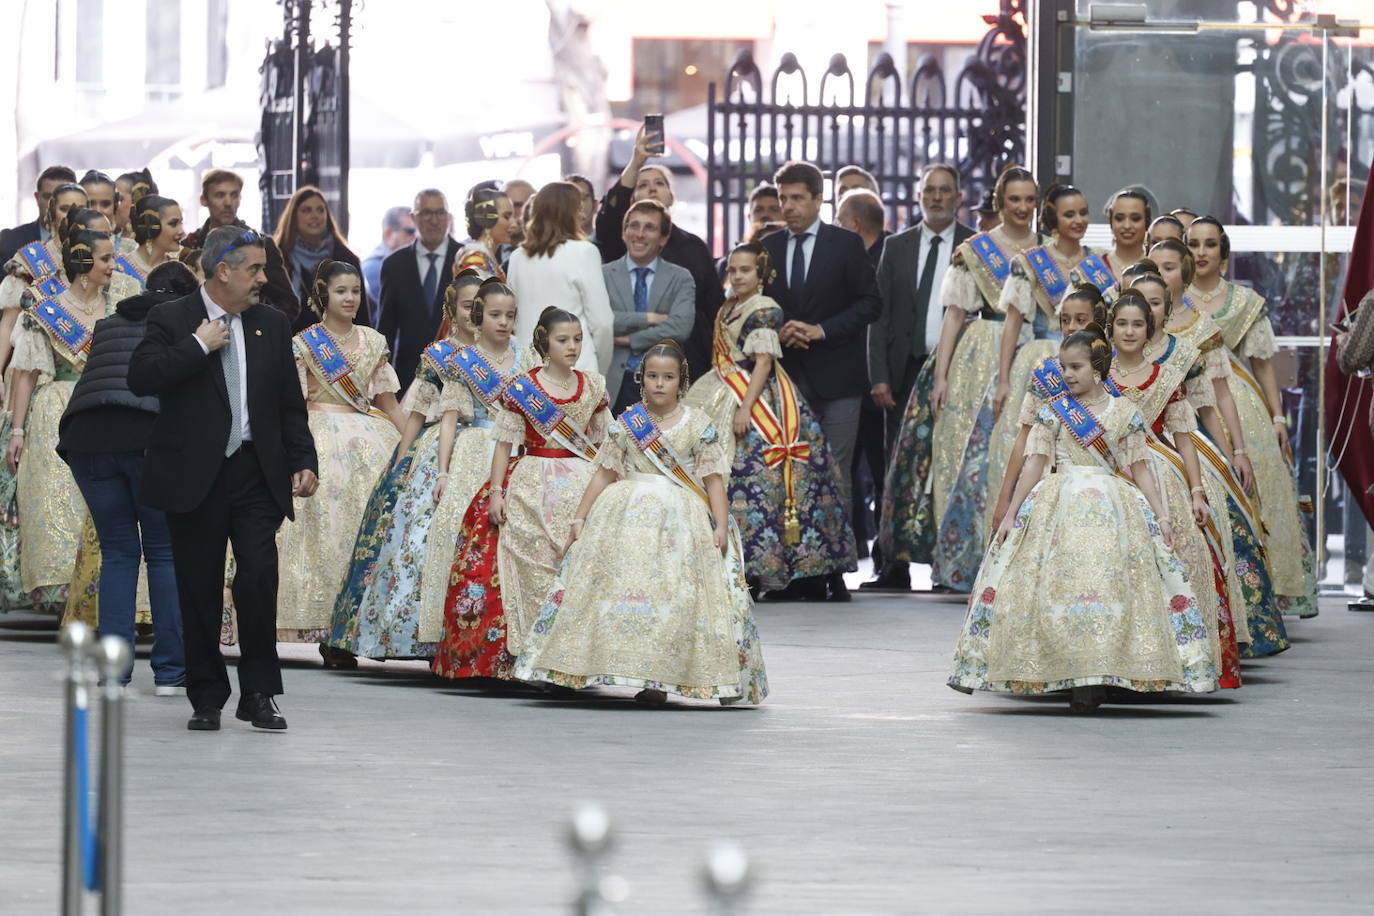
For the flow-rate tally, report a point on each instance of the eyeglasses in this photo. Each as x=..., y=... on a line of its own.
x=432, y=214
x=249, y=237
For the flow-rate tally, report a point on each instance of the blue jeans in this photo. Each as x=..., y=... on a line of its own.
x=110, y=483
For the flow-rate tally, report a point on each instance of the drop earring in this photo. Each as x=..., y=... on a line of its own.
x=85, y=283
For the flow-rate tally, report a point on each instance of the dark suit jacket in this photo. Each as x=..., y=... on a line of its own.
x=890, y=337
x=408, y=323
x=840, y=295
x=683, y=249
x=186, y=446
x=11, y=240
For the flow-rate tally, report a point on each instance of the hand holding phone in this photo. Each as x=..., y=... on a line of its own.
x=654, y=137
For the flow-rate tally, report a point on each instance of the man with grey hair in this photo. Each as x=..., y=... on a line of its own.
x=230, y=448
x=414, y=278
x=398, y=228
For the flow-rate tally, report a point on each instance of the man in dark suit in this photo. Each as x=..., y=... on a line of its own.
x=643, y=180
x=414, y=278
x=230, y=448
x=907, y=331
x=829, y=296
x=652, y=299
x=11, y=240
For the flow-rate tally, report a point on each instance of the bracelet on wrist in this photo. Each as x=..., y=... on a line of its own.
x=1239, y=452
x=1279, y=418
x=1202, y=490
x=443, y=475
x=16, y=432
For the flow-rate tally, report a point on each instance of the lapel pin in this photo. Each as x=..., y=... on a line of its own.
x=258, y=331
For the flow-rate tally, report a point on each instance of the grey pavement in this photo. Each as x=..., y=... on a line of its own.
x=863, y=785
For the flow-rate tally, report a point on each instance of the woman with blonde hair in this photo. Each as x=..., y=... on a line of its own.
x=556, y=265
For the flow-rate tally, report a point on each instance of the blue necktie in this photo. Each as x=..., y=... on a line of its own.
x=229, y=363
x=641, y=305
x=797, y=279
x=431, y=281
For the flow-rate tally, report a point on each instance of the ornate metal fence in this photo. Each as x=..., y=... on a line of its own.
x=889, y=124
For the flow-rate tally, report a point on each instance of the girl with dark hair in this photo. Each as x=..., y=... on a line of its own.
x=158, y=232
x=559, y=415
x=308, y=235
x=103, y=436
x=1128, y=216
x=1156, y=381
x=50, y=348
x=1250, y=346
x=490, y=216
x=1040, y=279
x=557, y=264
x=656, y=503
x=377, y=612
x=966, y=363
x=1079, y=589
x=793, y=523
x=471, y=407
x=350, y=393
x=1163, y=227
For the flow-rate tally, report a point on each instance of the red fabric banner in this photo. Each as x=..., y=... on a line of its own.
x=1347, y=397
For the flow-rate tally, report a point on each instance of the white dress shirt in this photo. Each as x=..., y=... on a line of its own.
x=935, y=316
x=571, y=279
x=422, y=260
x=807, y=248
x=631, y=266
x=235, y=322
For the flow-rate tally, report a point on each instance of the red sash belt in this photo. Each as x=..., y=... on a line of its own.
x=542, y=452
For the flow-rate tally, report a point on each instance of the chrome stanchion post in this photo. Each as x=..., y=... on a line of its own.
x=590, y=837
x=727, y=877
x=76, y=640
x=112, y=655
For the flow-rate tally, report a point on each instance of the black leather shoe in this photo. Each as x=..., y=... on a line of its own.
x=838, y=591
x=895, y=578
x=261, y=710
x=204, y=720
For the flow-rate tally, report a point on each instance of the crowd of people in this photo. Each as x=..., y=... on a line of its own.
x=575, y=450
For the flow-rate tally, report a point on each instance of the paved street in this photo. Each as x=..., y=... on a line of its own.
x=863, y=785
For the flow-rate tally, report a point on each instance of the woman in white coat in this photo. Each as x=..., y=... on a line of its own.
x=557, y=266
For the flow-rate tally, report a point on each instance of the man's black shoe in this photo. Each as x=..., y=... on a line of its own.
x=204, y=720
x=838, y=591
x=261, y=710
x=895, y=578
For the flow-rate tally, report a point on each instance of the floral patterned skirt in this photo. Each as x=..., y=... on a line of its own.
x=758, y=496
x=51, y=508
x=472, y=642
x=1083, y=592
x=644, y=599
x=83, y=598
x=377, y=614
x=1007, y=426
x=906, y=526
x=469, y=467
x=1265, y=633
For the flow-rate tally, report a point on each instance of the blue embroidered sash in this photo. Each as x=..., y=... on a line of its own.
x=71, y=338
x=647, y=436
x=1077, y=419
x=51, y=286
x=124, y=265
x=1094, y=270
x=1047, y=273
x=37, y=260
x=487, y=381
x=327, y=360
x=442, y=358
x=1047, y=381
x=548, y=417
x=997, y=263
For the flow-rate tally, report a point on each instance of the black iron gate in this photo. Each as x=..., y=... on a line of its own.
x=890, y=125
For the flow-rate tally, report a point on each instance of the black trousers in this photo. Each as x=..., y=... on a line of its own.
x=239, y=510
x=628, y=394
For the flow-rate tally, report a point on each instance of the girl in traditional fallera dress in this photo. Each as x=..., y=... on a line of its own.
x=517, y=527
x=1079, y=588
x=350, y=390
x=651, y=593
x=490, y=217
x=470, y=407
x=783, y=485
x=1151, y=367
x=377, y=613
x=1128, y=216
x=1259, y=623
x=1039, y=280
x=49, y=354
x=158, y=232
x=1162, y=229
x=1250, y=344
x=965, y=367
